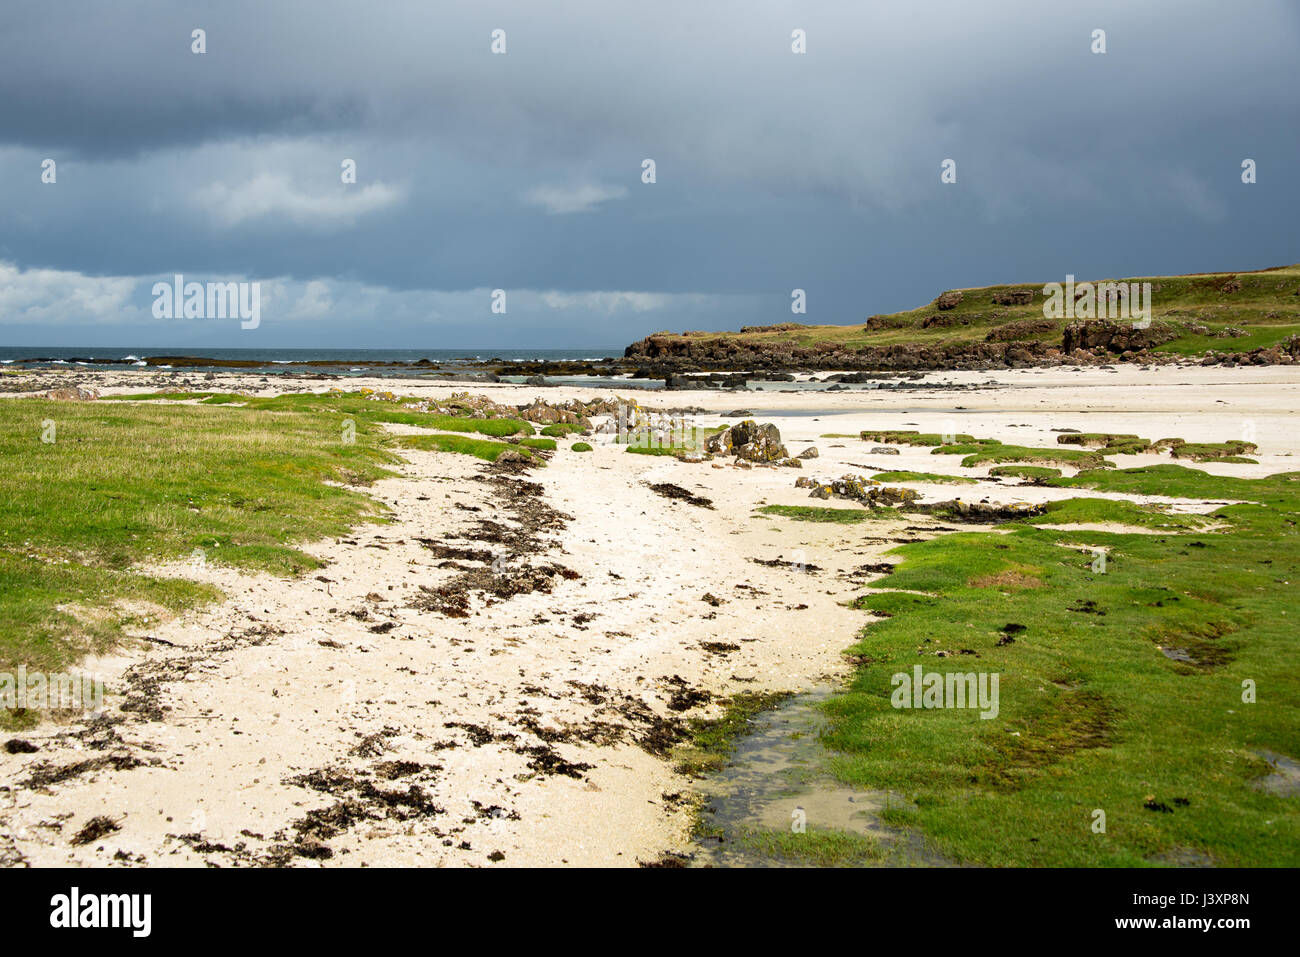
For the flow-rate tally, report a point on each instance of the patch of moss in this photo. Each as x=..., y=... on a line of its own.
x=815, y=513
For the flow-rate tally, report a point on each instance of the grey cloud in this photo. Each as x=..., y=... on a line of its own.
x=774, y=170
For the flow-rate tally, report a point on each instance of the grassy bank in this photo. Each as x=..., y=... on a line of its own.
x=114, y=486
x=1121, y=683
x=1213, y=311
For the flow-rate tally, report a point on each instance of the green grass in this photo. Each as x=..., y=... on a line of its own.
x=1033, y=473
x=676, y=451
x=159, y=396
x=355, y=405
x=998, y=454
x=560, y=429
x=580, y=447
x=1100, y=440
x=1092, y=714
x=909, y=437
x=1079, y=511
x=814, y=513
x=923, y=477
x=131, y=483
x=462, y=444
x=547, y=444
x=816, y=847
x=1213, y=451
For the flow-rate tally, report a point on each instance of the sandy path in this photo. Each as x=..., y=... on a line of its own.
x=255, y=700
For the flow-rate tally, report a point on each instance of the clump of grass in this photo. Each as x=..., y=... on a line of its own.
x=547, y=444
x=1076, y=458
x=923, y=477
x=463, y=445
x=580, y=447
x=1213, y=451
x=1031, y=473
x=559, y=430
x=671, y=450
x=912, y=437
x=1100, y=440
x=815, y=513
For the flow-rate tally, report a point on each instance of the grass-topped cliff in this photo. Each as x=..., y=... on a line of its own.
x=1191, y=316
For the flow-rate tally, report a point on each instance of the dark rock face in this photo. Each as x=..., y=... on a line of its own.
x=1104, y=335
x=667, y=354
x=948, y=300
x=1013, y=297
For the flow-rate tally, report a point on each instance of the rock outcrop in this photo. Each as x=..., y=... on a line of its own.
x=1103, y=335
x=858, y=489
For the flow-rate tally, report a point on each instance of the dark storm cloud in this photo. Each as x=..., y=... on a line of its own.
x=776, y=171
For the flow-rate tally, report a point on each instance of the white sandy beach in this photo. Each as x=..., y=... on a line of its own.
x=292, y=678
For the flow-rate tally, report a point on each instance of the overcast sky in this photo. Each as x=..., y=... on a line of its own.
x=522, y=171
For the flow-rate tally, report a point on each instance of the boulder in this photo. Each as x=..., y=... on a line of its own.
x=809, y=453
x=749, y=441
x=948, y=300
x=513, y=455
x=73, y=394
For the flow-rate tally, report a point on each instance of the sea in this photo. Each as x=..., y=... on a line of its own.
x=375, y=363
x=269, y=359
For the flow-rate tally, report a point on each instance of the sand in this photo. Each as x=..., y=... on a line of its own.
x=299, y=714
